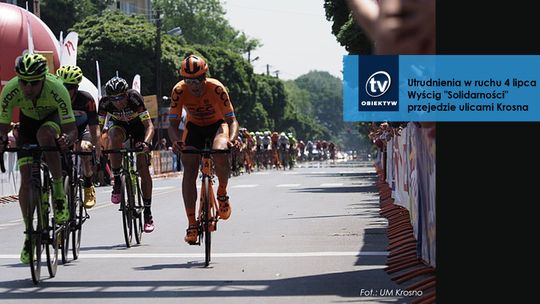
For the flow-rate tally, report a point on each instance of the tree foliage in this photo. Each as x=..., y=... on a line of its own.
x=203, y=22
x=125, y=44
x=347, y=32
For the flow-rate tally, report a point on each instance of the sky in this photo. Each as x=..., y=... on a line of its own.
x=295, y=34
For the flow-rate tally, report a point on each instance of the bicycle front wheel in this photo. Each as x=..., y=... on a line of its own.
x=138, y=207
x=65, y=233
x=78, y=220
x=52, y=232
x=33, y=233
x=206, y=222
x=127, y=215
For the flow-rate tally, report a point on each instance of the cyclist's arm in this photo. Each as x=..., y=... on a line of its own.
x=233, y=128
x=149, y=130
x=95, y=135
x=4, y=130
x=173, y=131
x=8, y=95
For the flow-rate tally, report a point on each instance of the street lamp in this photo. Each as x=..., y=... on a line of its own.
x=177, y=31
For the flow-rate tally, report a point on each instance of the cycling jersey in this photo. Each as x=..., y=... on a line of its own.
x=84, y=109
x=214, y=104
x=53, y=98
x=134, y=110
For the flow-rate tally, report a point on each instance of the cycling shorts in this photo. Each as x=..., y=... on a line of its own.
x=28, y=128
x=195, y=136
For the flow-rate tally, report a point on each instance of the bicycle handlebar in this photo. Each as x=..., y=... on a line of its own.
x=121, y=150
x=206, y=151
x=27, y=147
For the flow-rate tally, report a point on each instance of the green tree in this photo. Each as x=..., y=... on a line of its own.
x=203, y=22
x=325, y=93
x=347, y=32
x=125, y=44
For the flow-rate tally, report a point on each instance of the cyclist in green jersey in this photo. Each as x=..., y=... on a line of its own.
x=46, y=118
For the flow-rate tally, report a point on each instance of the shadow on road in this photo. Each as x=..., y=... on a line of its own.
x=330, y=284
x=337, y=189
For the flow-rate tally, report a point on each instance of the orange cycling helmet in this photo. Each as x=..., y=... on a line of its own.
x=193, y=67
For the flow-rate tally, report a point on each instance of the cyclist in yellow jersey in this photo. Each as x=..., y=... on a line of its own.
x=46, y=118
x=210, y=116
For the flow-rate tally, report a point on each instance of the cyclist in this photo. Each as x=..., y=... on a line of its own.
x=84, y=109
x=46, y=118
x=210, y=116
x=128, y=116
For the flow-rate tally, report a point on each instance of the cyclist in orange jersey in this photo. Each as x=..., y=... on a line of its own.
x=210, y=116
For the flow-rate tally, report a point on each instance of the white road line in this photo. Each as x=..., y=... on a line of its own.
x=261, y=173
x=331, y=185
x=288, y=185
x=219, y=255
x=244, y=186
x=164, y=188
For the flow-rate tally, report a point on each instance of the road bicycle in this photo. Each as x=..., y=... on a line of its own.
x=73, y=185
x=207, y=217
x=41, y=229
x=131, y=204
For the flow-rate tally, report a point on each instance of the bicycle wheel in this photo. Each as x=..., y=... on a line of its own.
x=78, y=220
x=65, y=233
x=127, y=215
x=206, y=221
x=138, y=207
x=51, y=230
x=33, y=232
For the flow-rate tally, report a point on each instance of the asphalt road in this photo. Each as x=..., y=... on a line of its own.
x=308, y=235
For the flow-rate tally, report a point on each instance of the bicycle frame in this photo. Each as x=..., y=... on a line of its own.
x=78, y=213
x=207, y=215
x=41, y=229
x=131, y=204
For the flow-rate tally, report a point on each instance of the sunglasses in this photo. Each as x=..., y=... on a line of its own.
x=70, y=86
x=31, y=83
x=191, y=81
x=118, y=97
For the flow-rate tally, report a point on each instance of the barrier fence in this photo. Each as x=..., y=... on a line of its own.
x=406, y=170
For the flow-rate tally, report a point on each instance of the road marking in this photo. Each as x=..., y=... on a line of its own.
x=288, y=185
x=291, y=173
x=331, y=185
x=244, y=186
x=219, y=255
x=163, y=188
x=261, y=173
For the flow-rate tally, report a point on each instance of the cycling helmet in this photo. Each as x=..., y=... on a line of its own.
x=31, y=67
x=70, y=74
x=116, y=86
x=193, y=67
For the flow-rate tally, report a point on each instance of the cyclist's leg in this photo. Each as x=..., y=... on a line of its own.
x=117, y=136
x=223, y=166
x=88, y=171
x=46, y=136
x=192, y=138
x=26, y=135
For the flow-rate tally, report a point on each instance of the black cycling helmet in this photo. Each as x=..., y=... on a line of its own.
x=116, y=86
x=31, y=67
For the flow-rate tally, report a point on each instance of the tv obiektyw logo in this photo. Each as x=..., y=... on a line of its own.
x=378, y=83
